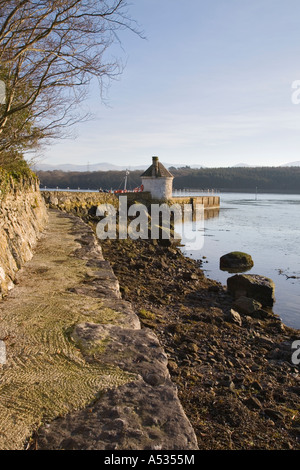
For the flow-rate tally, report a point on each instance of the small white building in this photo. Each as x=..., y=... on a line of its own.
x=158, y=181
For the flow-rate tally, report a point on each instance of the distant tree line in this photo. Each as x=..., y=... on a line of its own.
x=240, y=178
x=278, y=179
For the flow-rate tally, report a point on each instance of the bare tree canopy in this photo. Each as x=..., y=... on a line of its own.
x=50, y=50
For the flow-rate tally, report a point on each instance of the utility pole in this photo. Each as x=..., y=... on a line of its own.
x=126, y=177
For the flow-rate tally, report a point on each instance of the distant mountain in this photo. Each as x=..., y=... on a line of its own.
x=72, y=167
x=101, y=167
x=241, y=165
x=292, y=164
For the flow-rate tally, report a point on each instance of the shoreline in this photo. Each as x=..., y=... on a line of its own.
x=236, y=382
x=185, y=192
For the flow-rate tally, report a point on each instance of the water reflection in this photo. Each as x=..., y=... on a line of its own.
x=211, y=213
x=235, y=270
x=269, y=230
x=206, y=214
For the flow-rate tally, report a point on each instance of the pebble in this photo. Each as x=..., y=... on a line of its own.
x=273, y=414
x=256, y=385
x=253, y=403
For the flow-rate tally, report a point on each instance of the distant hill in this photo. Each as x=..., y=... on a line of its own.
x=105, y=166
x=89, y=167
x=101, y=167
x=292, y=164
x=241, y=165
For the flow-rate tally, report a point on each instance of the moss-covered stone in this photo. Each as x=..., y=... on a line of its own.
x=236, y=261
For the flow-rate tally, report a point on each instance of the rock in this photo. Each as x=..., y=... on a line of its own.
x=236, y=261
x=234, y=317
x=189, y=276
x=274, y=415
x=282, y=352
x=253, y=403
x=254, y=286
x=155, y=379
x=53, y=200
x=161, y=264
x=92, y=211
x=247, y=306
x=214, y=288
x=256, y=385
x=173, y=367
x=228, y=383
x=193, y=347
x=263, y=314
x=140, y=414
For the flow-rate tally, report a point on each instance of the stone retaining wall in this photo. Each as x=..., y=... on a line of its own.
x=23, y=216
x=77, y=202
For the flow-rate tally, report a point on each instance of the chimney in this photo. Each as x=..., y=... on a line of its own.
x=155, y=166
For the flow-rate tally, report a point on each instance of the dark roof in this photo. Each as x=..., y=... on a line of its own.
x=158, y=170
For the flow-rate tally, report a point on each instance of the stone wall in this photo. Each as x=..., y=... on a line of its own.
x=208, y=202
x=80, y=202
x=23, y=216
x=77, y=202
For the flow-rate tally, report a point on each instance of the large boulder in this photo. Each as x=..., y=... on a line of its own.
x=236, y=261
x=254, y=286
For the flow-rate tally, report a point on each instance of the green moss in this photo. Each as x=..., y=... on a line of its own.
x=18, y=178
x=240, y=255
x=146, y=315
x=97, y=347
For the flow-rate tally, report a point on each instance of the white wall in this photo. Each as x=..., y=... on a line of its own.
x=160, y=188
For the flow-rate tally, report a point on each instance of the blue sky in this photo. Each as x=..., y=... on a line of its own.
x=210, y=85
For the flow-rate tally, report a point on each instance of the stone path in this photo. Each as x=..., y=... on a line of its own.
x=80, y=373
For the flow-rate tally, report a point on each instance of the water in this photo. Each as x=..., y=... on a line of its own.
x=266, y=226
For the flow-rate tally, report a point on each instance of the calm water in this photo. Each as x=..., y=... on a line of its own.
x=267, y=226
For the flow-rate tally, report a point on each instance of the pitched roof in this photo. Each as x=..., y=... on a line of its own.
x=157, y=170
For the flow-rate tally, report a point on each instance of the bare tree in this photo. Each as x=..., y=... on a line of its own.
x=50, y=50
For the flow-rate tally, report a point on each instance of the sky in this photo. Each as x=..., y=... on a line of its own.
x=211, y=84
